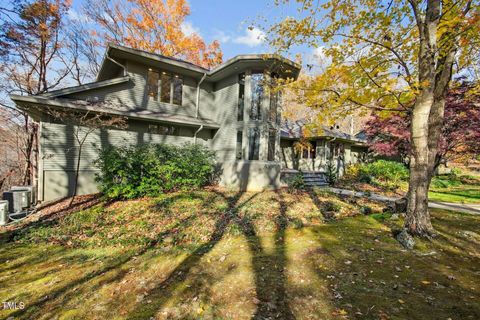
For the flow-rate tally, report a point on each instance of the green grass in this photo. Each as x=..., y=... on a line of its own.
x=215, y=255
x=455, y=188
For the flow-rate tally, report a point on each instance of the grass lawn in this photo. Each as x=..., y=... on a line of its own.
x=463, y=189
x=223, y=255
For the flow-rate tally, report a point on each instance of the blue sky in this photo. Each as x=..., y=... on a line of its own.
x=228, y=22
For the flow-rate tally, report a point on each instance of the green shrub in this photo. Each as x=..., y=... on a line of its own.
x=331, y=173
x=387, y=172
x=296, y=183
x=149, y=170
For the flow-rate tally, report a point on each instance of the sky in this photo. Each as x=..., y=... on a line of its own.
x=228, y=20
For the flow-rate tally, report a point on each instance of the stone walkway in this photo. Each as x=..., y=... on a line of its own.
x=460, y=207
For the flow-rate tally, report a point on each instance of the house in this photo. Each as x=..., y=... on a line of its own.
x=319, y=147
x=227, y=109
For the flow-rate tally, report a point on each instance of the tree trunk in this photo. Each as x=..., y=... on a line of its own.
x=77, y=170
x=417, y=221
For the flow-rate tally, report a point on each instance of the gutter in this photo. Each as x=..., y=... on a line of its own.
x=195, y=135
x=198, y=95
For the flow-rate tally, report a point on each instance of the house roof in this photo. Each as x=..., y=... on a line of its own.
x=294, y=130
x=87, y=86
x=27, y=102
x=276, y=61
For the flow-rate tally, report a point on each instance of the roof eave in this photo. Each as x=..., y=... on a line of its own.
x=24, y=101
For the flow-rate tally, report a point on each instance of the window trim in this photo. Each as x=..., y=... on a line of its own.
x=271, y=147
x=172, y=77
x=254, y=144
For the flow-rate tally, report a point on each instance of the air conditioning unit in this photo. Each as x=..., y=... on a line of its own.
x=18, y=200
x=3, y=212
x=31, y=189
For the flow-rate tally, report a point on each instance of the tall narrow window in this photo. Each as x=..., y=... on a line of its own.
x=152, y=84
x=256, y=80
x=177, y=90
x=275, y=99
x=166, y=87
x=272, y=137
x=239, y=152
x=241, y=96
x=253, y=143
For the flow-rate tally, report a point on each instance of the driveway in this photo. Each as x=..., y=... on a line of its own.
x=459, y=207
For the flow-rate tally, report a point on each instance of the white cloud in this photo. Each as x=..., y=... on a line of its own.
x=316, y=60
x=222, y=36
x=252, y=37
x=74, y=15
x=188, y=28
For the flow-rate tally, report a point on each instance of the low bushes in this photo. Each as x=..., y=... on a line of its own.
x=149, y=170
x=387, y=173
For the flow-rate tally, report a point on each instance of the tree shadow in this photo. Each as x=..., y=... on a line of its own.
x=269, y=269
x=69, y=290
x=165, y=289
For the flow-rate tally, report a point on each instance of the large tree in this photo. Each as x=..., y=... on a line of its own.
x=384, y=55
x=156, y=26
x=389, y=134
x=31, y=62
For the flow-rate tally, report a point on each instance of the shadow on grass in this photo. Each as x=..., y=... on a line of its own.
x=268, y=268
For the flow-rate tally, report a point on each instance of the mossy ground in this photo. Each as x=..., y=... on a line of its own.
x=224, y=255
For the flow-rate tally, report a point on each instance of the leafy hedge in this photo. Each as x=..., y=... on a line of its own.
x=388, y=172
x=149, y=170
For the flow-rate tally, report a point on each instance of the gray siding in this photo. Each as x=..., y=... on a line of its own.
x=226, y=99
x=59, y=152
x=133, y=95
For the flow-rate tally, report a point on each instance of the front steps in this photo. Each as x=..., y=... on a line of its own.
x=311, y=178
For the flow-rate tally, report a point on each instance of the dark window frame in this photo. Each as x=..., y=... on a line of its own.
x=253, y=144
x=272, y=141
x=166, y=130
x=239, y=145
x=257, y=95
x=241, y=96
x=275, y=100
x=171, y=93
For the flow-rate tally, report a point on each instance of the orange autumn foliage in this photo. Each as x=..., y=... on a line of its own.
x=154, y=26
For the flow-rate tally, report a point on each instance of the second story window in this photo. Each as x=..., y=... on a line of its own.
x=275, y=101
x=152, y=83
x=241, y=96
x=256, y=80
x=168, y=87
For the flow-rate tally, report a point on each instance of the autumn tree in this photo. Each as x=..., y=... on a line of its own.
x=156, y=26
x=31, y=61
x=389, y=134
x=396, y=55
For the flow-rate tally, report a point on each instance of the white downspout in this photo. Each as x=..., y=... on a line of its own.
x=197, y=104
x=195, y=135
x=197, y=107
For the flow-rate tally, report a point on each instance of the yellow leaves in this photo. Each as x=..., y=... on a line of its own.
x=401, y=301
x=425, y=282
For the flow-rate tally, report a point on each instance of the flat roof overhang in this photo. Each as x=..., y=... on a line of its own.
x=26, y=103
x=273, y=62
